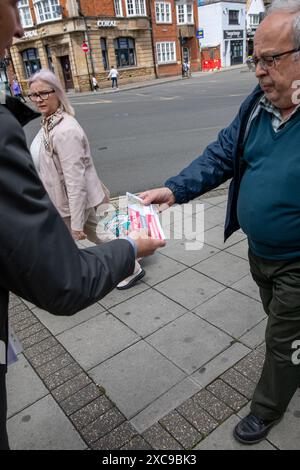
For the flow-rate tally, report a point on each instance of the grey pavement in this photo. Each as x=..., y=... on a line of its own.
x=169, y=364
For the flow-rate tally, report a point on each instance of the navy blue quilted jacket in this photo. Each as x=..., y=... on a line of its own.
x=220, y=161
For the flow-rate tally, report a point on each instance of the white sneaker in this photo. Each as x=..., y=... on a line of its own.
x=130, y=281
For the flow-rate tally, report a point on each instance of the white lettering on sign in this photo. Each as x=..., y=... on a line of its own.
x=30, y=34
x=106, y=24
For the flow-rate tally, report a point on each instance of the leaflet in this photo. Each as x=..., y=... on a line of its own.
x=144, y=217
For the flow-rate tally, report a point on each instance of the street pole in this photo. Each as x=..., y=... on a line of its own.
x=181, y=54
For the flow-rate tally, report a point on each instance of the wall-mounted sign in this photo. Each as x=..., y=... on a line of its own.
x=238, y=34
x=31, y=34
x=200, y=34
x=106, y=24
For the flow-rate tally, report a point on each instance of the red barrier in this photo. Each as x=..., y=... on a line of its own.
x=211, y=64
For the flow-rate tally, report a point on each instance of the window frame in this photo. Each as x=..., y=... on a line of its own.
x=158, y=14
x=163, y=49
x=129, y=50
x=22, y=7
x=131, y=9
x=237, y=22
x=39, y=8
x=183, y=13
x=118, y=8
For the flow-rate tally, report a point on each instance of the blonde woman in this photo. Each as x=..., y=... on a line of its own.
x=62, y=157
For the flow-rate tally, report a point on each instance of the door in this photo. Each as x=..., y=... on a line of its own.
x=236, y=52
x=66, y=68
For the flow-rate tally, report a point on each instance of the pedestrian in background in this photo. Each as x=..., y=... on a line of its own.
x=17, y=90
x=95, y=84
x=113, y=75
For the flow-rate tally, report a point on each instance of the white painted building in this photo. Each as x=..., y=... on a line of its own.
x=255, y=12
x=224, y=27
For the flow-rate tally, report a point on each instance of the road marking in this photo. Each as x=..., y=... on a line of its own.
x=168, y=98
x=92, y=102
x=240, y=94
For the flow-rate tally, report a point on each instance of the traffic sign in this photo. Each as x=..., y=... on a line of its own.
x=85, y=47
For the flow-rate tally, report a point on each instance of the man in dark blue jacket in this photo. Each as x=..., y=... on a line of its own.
x=260, y=151
x=39, y=259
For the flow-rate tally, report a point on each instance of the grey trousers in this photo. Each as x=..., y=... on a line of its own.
x=279, y=286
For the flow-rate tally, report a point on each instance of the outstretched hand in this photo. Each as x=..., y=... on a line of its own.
x=163, y=196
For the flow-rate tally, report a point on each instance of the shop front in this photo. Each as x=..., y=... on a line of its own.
x=234, y=47
x=125, y=44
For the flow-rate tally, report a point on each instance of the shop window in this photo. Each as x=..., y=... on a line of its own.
x=163, y=12
x=234, y=17
x=31, y=61
x=166, y=52
x=47, y=10
x=25, y=13
x=104, y=53
x=49, y=58
x=118, y=8
x=136, y=7
x=125, y=52
x=185, y=13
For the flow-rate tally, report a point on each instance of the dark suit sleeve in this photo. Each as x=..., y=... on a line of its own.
x=38, y=257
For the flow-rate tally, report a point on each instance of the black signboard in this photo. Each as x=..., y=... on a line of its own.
x=237, y=34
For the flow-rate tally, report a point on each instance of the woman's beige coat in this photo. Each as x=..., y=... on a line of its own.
x=68, y=173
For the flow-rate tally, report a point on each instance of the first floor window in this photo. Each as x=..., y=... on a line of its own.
x=185, y=13
x=47, y=10
x=118, y=8
x=104, y=53
x=25, y=13
x=163, y=12
x=234, y=17
x=125, y=52
x=166, y=52
x=254, y=20
x=136, y=7
x=31, y=61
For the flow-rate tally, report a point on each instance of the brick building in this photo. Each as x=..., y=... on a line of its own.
x=143, y=38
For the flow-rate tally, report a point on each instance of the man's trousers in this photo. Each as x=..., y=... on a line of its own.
x=279, y=286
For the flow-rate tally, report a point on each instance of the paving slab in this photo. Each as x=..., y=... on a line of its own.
x=256, y=335
x=57, y=323
x=216, y=267
x=24, y=387
x=159, y=267
x=222, y=439
x=189, y=288
x=147, y=312
x=215, y=237
x=214, y=215
x=232, y=312
x=247, y=286
x=164, y=404
x=286, y=434
x=97, y=339
x=219, y=364
x=178, y=251
x=239, y=249
x=43, y=425
x=189, y=342
x=116, y=296
x=136, y=377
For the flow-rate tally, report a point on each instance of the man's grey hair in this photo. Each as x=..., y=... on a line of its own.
x=45, y=75
x=292, y=6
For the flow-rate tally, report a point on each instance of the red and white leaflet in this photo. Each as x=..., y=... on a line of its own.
x=142, y=216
